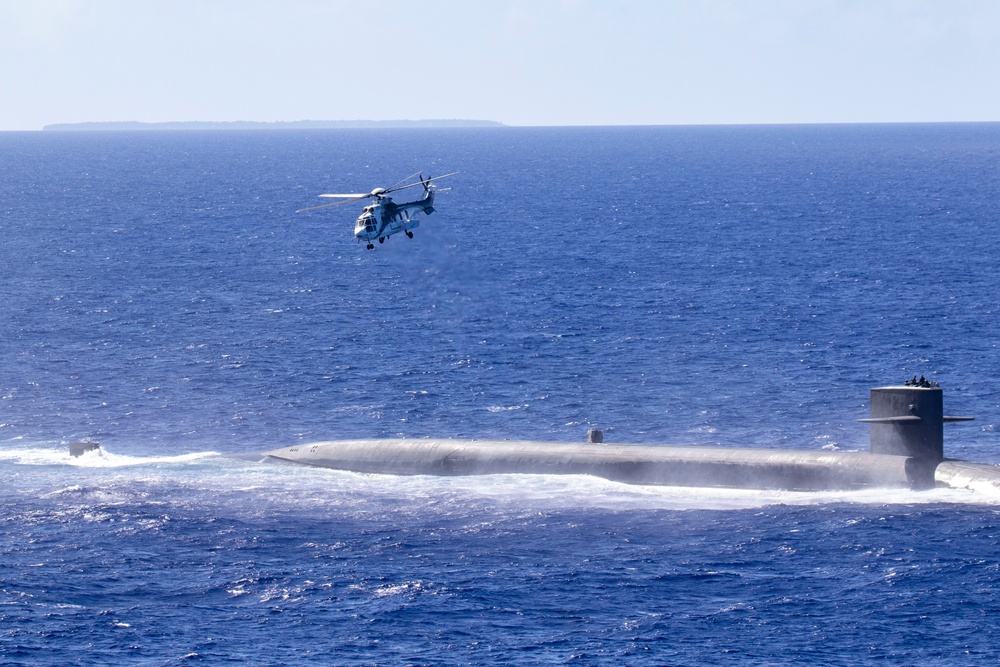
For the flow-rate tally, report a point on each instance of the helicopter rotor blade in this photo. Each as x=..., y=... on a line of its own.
x=424, y=182
x=336, y=203
x=402, y=181
x=377, y=192
x=442, y=176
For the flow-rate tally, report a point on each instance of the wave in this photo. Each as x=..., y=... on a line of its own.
x=98, y=458
x=567, y=491
x=303, y=486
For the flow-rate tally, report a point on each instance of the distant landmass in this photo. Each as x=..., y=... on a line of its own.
x=278, y=125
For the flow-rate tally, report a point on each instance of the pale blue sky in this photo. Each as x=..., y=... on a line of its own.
x=520, y=62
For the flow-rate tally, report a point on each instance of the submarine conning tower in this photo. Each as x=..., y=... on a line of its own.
x=909, y=420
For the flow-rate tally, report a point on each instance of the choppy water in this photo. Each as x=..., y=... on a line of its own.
x=711, y=286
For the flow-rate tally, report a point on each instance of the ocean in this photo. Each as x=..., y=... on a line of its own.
x=712, y=286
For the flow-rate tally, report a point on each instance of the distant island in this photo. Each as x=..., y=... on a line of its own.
x=255, y=125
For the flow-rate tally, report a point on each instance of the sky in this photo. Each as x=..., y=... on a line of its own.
x=519, y=62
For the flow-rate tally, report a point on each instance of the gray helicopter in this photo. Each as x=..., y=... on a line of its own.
x=384, y=217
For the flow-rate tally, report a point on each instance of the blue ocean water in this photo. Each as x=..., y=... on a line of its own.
x=679, y=285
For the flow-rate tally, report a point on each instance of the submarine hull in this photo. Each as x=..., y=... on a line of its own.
x=634, y=464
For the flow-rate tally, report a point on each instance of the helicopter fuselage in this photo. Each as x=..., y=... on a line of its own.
x=385, y=217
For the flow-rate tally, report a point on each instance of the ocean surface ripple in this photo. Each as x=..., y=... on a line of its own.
x=717, y=286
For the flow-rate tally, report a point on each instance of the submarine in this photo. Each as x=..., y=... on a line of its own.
x=906, y=451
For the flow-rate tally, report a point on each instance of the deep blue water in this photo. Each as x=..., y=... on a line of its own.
x=701, y=285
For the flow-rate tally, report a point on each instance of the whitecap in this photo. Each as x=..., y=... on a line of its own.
x=97, y=458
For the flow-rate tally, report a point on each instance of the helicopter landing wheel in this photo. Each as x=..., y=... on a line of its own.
x=371, y=246
x=409, y=233
x=381, y=239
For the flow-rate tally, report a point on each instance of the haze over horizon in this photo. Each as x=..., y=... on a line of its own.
x=517, y=62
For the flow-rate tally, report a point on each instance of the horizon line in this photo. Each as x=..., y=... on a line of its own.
x=125, y=126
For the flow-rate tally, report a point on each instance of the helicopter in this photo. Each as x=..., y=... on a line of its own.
x=384, y=217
